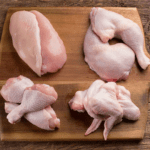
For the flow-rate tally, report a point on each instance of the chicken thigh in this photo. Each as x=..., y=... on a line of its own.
x=44, y=119
x=106, y=102
x=107, y=24
x=110, y=62
x=36, y=42
x=14, y=88
x=34, y=98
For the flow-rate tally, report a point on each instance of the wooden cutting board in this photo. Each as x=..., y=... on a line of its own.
x=71, y=23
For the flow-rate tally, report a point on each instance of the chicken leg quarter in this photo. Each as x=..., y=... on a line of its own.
x=107, y=25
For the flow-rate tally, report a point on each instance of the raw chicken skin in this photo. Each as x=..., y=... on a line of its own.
x=110, y=62
x=44, y=88
x=26, y=39
x=77, y=102
x=44, y=119
x=33, y=100
x=105, y=102
x=36, y=42
x=14, y=88
x=107, y=25
x=52, y=47
x=101, y=103
x=130, y=110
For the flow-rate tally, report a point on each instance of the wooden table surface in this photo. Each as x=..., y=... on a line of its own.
x=144, y=11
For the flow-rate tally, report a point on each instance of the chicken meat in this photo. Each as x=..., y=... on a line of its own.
x=35, y=98
x=110, y=62
x=113, y=62
x=106, y=102
x=34, y=102
x=14, y=88
x=107, y=24
x=36, y=42
x=45, y=119
x=130, y=110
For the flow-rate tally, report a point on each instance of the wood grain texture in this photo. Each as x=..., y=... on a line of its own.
x=144, y=11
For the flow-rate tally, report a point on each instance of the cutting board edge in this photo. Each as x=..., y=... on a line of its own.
x=132, y=137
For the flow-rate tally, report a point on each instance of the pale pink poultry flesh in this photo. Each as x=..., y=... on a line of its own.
x=14, y=88
x=36, y=42
x=35, y=102
x=45, y=119
x=105, y=102
x=107, y=25
x=26, y=39
x=113, y=62
x=130, y=110
x=34, y=99
x=110, y=62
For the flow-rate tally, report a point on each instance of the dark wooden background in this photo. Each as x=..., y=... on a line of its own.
x=144, y=11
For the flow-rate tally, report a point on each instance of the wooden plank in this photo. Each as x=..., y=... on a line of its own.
x=71, y=24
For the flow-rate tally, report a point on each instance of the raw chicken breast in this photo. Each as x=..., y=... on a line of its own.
x=26, y=39
x=52, y=48
x=34, y=99
x=110, y=62
x=105, y=102
x=14, y=88
x=45, y=119
x=107, y=24
x=36, y=42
